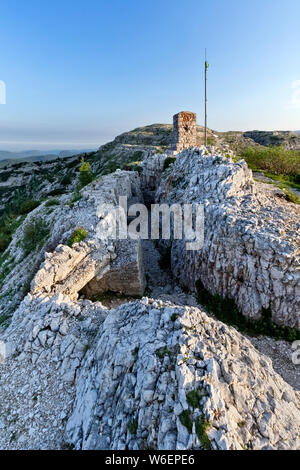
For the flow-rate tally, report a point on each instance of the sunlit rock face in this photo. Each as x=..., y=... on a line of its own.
x=251, y=239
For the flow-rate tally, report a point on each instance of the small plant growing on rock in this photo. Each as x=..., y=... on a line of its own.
x=194, y=396
x=132, y=426
x=77, y=236
x=162, y=352
x=76, y=197
x=3, y=319
x=85, y=175
x=202, y=425
x=136, y=352
x=168, y=161
x=52, y=202
x=34, y=235
x=28, y=206
x=186, y=420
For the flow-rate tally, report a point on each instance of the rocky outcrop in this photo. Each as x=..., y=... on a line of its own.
x=251, y=240
x=124, y=275
x=98, y=263
x=288, y=139
x=146, y=375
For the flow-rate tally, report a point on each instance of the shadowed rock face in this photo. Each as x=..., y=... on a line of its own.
x=124, y=275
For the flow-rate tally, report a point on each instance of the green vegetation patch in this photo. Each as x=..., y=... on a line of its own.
x=226, y=310
x=132, y=426
x=202, y=426
x=168, y=161
x=52, y=202
x=8, y=225
x=133, y=166
x=194, y=397
x=186, y=420
x=66, y=180
x=163, y=351
x=77, y=236
x=28, y=206
x=276, y=160
x=35, y=234
x=3, y=319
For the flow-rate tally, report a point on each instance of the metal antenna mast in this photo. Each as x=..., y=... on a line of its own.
x=205, y=124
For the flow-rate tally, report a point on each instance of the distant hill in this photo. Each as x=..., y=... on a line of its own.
x=10, y=158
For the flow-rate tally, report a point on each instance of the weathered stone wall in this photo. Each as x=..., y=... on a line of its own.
x=184, y=131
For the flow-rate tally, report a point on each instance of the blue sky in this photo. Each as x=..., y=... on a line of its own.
x=77, y=73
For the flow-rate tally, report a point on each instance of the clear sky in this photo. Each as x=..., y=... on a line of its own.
x=77, y=73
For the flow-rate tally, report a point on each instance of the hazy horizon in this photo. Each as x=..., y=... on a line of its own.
x=48, y=146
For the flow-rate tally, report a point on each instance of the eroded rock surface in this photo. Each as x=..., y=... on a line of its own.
x=251, y=238
x=150, y=373
x=141, y=376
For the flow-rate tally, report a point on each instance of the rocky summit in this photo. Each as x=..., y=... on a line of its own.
x=110, y=343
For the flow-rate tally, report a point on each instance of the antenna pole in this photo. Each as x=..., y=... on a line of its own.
x=205, y=123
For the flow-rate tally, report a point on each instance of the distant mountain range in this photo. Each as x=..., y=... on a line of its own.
x=9, y=158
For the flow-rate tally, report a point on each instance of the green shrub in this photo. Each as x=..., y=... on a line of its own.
x=76, y=197
x=34, y=235
x=202, y=426
x=56, y=192
x=226, y=310
x=275, y=160
x=4, y=242
x=28, y=206
x=168, y=161
x=3, y=318
x=185, y=419
x=66, y=180
x=132, y=166
x=132, y=426
x=52, y=202
x=8, y=225
x=77, y=236
x=194, y=396
x=137, y=155
x=85, y=175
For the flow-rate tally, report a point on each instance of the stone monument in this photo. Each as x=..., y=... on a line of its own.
x=184, y=131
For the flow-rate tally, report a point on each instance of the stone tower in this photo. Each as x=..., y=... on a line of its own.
x=184, y=131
